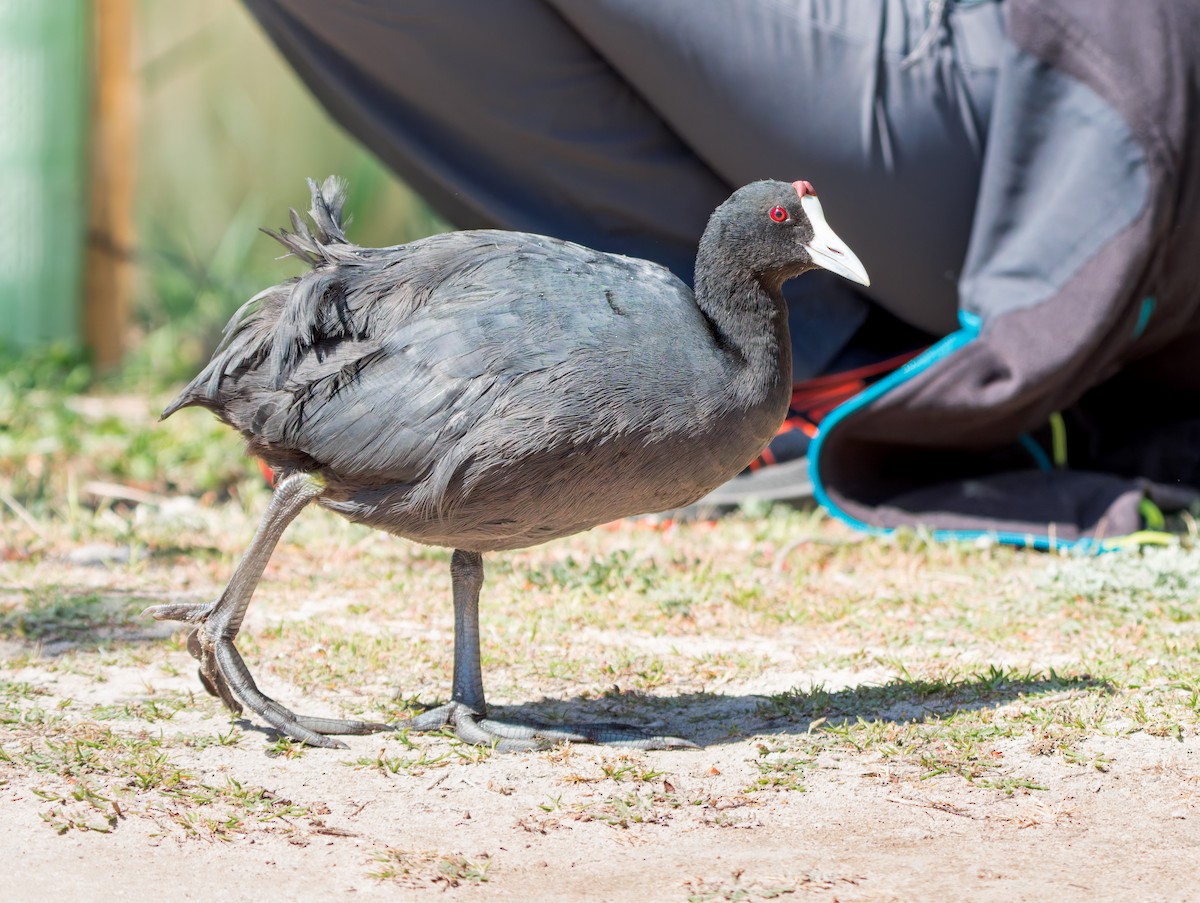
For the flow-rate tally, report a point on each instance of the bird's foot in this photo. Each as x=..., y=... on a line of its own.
x=506, y=736
x=225, y=675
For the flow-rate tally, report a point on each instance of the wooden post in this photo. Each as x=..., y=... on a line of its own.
x=111, y=167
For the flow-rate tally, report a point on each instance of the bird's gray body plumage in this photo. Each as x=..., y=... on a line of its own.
x=491, y=390
x=487, y=390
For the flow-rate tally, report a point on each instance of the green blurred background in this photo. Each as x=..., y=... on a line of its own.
x=225, y=135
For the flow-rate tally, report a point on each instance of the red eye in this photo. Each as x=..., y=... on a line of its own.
x=779, y=214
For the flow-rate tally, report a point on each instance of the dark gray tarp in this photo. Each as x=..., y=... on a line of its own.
x=1092, y=154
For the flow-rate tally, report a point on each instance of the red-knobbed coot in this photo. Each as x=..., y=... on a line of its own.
x=492, y=390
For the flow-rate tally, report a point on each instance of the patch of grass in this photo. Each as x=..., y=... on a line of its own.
x=424, y=757
x=93, y=776
x=20, y=689
x=422, y=868
x=619, y=810
x=148, y=710
x=623, y=767
x=778, y=769
x=633, y=769
x=628, y=809
x=52, y=443
x=644, y=672
x=595, y=575
x=1162, y=582
x=81, y=809
x=13, y=716
x=286, y=748
x=55, y=614
x=737, y=890
x=231, y=737
x=409, y=765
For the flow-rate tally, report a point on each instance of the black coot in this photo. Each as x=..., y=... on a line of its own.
x=492, y=390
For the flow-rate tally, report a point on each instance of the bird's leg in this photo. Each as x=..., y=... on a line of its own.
x=222, y=670
x=467, y=701
x=466, y=576
x=466, y=712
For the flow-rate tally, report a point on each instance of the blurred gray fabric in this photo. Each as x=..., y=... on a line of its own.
x=622, y=124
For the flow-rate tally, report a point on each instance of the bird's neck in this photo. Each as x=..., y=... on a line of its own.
x=748, y=320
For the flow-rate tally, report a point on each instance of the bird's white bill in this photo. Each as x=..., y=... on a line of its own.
x=826, y=249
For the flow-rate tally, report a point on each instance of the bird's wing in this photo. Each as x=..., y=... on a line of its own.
x=466, y=347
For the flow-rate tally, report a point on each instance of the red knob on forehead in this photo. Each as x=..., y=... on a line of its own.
x=804, y=188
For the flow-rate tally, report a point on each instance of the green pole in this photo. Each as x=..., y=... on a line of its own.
x=43, y=118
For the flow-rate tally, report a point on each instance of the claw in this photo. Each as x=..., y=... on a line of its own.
x=191, y=612
x=213, y=690
x=201, y=648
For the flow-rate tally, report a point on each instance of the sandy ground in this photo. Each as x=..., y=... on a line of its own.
x=853, y=835
x=391, y=819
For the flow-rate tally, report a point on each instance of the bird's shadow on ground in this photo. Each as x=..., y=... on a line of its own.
x=709, y=719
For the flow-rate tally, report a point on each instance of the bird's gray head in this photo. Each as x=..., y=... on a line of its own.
x=778, y=230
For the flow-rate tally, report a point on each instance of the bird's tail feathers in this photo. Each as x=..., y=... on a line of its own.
x=245, y=343
x=326, y=242
x=253, y=333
